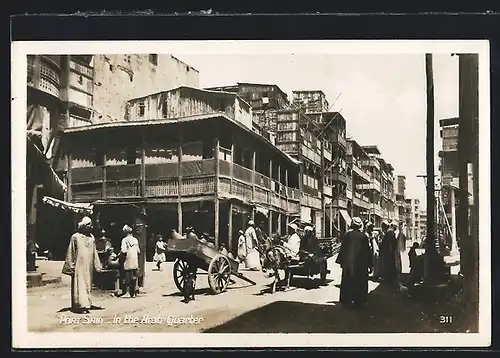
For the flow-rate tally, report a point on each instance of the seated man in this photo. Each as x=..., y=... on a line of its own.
x=309, y=245
x=292, y=245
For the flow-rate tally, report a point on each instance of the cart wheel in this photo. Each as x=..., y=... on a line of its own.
x=219, y=274
x=181, y=269
x=323, y=271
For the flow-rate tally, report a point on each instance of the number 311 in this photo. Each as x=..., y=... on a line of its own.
x=445, y=319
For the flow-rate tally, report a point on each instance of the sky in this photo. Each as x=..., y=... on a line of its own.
x=382, y=96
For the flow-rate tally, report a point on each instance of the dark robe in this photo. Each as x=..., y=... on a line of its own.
x=354, y=258
x=391, y=257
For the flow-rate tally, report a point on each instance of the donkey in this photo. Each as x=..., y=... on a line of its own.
x=273, y=257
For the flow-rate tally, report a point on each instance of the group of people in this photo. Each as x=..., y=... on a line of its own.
x=85, y=256
x=363, y=252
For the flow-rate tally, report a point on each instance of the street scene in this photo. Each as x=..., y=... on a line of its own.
x=250, y=194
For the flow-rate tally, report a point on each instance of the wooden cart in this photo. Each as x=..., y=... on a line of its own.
x=192, y=254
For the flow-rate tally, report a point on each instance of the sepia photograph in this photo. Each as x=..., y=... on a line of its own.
x=295, y=193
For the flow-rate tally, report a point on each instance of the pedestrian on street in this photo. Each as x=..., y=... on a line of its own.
x=376, y=274
x=81, y=262
x=389, y=254
x=242, y=247
x=355, y=261
x=102, y=245
x=374, y=249
x=130, y=251
x=160, y=249
x=252, y=260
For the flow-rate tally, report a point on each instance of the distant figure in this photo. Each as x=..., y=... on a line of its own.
x=309, y=243
x=355, y=261
x=189, y=286
x=416, y=265
x=176, y=235
x=130, y=251
x=400, y=243
x=389, y=253
x=292, y=245
x=102, y=245
x=242, y=247
x=81, y=262
x=190, y=234
x=374, y=249
x=160, y=249
x=252, y=260
x=376, y=256
x=223, y=249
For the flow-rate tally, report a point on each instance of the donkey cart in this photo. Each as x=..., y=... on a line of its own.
x=192, y=254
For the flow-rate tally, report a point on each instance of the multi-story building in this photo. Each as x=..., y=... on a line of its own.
x=400, y=199
x=373, y=190
x=408, y=218
x=310, y=101
x=297, y=137
x=449, y=172
x=172, y=165
x=423, y=223
x=414, y=227
x=265, y=100
x=361, y=205
x=97, y=87
x=44, y=121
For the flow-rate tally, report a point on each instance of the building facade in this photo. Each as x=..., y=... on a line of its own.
x=310, y=101
x=179, y=168
x=98, y=87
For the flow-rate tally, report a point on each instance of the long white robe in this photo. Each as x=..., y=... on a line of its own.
x=83, y=260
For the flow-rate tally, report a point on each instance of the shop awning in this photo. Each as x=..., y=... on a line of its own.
x=346, y=217
x=262, y=210
x=78, y=208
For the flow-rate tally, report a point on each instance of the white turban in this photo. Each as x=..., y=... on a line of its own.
x=308, y=228
x=127, y=229
x=86, y=221
x=293, y=226
x=250, y=223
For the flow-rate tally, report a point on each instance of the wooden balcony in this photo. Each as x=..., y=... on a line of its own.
x=161, y=181
x=311, y=154
x=311, y=201
x=358, y=201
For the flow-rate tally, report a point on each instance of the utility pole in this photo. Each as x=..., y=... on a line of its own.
x=468, y=144
x=434, y=267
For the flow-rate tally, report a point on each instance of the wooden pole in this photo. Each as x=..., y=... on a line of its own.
x=431, y=246
x=216, y=196
x=179, y=181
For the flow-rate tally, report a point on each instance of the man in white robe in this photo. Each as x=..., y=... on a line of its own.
x=81, y=262
x=293, y=244
x=252, y=259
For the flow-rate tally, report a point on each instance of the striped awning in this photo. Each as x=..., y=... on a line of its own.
x=77, y=208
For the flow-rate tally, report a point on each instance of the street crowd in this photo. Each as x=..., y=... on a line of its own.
x=363, y=252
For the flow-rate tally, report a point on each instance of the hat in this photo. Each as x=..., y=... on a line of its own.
x=251, y=223
x=293, y=226
x=356, y=222
x=240, y=232
x=368, y=224
x=86, y=221
x=126, y=229
x=308, y=228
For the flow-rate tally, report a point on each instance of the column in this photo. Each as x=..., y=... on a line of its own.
x=216, y=196
x=69, y=195
x=143, y=164
x=179, y=181
x=230, y=228
x=140, y=230
x=253, y=175
x=453, y=221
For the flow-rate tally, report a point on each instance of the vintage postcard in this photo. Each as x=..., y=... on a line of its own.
x=251, y=194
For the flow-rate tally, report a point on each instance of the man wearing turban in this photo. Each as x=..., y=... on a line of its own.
x=130, y=251
x=355, y=259
x=81, y=262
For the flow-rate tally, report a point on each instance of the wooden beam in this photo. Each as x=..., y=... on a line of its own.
x=216, y=196
x=179, y=180
x=230, y=227
x=143, y=164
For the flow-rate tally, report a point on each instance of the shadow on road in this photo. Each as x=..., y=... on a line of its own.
x=296, y=283
x=389, y=310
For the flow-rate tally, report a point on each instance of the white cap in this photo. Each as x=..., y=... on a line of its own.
x=250, y=223
x=127, y=229
x=86, y=221
x=293, y=226
x=308, y=228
